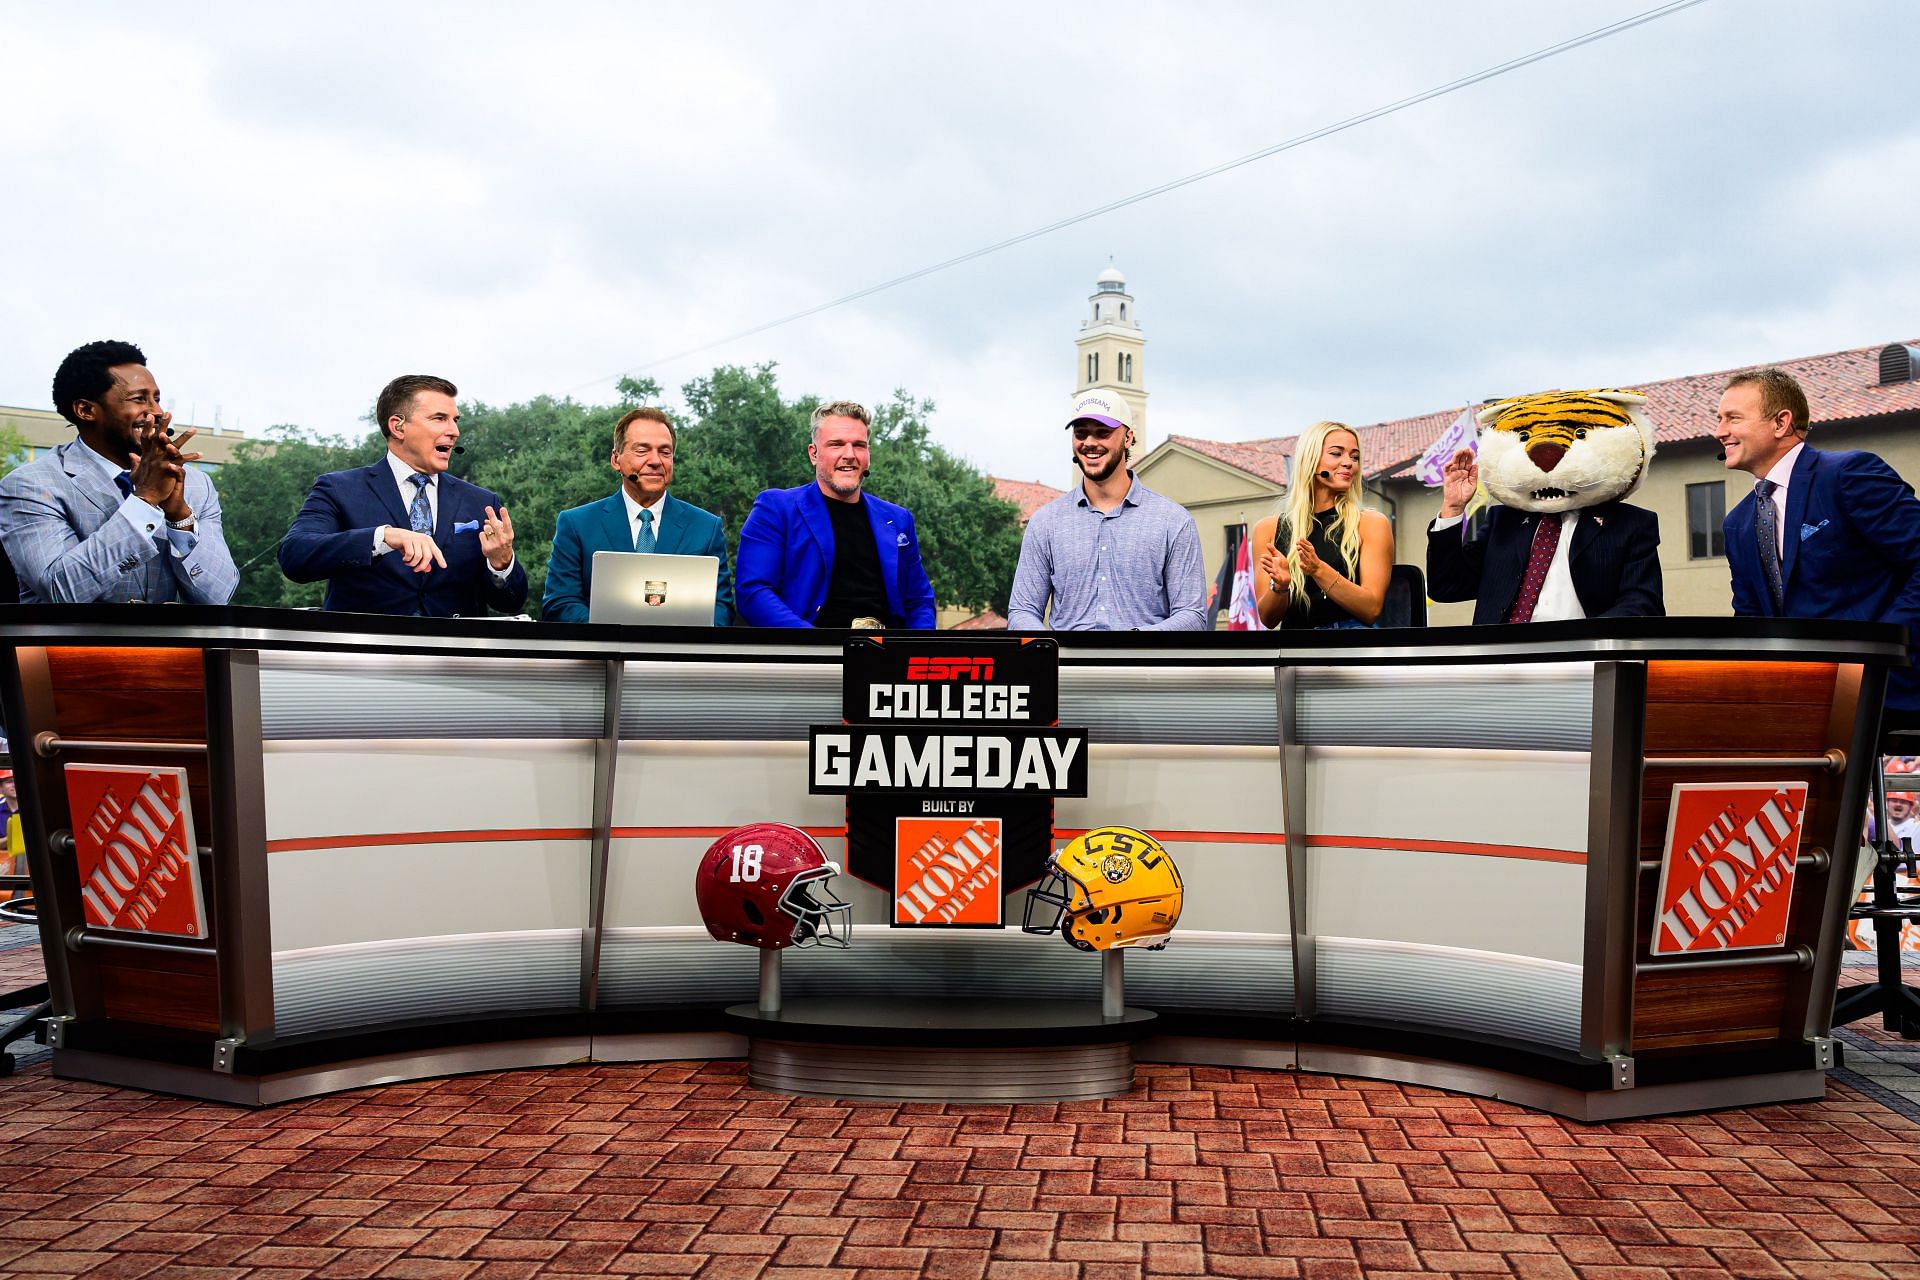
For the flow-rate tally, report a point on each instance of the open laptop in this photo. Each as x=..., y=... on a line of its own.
x=639, y=588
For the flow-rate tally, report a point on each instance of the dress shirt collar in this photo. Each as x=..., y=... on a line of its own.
x=1782, y=471
x=1133, y=484
x=634, y=509
x=403, y=472
x=108, y=467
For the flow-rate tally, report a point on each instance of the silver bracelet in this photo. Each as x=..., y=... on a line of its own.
x=181, y=524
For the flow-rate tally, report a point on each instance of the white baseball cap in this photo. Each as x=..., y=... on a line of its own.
x=1103, y=407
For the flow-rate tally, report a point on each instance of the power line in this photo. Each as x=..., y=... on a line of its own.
x=1300, y=140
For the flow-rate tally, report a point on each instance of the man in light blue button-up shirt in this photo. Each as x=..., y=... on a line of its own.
x=1110, y=554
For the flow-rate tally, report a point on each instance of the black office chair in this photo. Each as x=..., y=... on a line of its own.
x=1406, y=602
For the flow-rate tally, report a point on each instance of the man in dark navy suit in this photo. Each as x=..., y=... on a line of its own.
x=643, y=516
x=402, y=536
x=1610, y=566
x=1822, y=535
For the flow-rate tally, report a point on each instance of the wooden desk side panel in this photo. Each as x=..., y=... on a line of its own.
x=1730, y=709
x=144, y=695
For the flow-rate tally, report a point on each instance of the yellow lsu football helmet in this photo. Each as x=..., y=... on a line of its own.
x=1112, y=887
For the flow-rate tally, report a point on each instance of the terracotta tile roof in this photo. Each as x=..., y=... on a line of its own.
x=1028, y=495
x=1264, y=458
x=1840, y=386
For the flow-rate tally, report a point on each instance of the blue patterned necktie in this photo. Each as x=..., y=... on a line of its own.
x=125, y=482
x=643, y=536
x=419, y=511
x=1766, y=530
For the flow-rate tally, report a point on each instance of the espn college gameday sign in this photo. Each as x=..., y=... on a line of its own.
x=134, y=846
x=949, y=758
x=1726, y=876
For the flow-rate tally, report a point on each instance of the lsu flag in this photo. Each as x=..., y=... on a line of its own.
x=1241, y=614
x=1433, y=463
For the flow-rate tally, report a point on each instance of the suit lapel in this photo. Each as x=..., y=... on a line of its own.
x=1743, y=551
x=673, y=527
x=614, y=531
x=1587, y=532
x=90, y=479
x=886, y=542
x=1799, y=489
x=813, y=508
x=447, y=511
x=387, y=493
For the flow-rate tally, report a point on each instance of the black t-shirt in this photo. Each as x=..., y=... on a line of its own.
x=856, y=589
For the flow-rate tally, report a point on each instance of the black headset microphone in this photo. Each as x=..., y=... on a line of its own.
x=1325, y=475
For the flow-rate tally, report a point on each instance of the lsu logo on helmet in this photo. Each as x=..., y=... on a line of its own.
x=1111, y=887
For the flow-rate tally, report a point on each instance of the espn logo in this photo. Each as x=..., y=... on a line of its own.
x=977, y=669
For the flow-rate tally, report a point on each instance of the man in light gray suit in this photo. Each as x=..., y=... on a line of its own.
x=116, y=515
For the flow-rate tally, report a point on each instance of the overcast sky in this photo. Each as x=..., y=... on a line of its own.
x=288, y=204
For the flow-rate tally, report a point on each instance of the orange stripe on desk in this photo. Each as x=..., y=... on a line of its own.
x=1190, y=837
x=517, y=835
x=1410, y=844
x=381, y=838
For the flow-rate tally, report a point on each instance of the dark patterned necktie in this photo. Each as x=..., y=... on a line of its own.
x=1546, y=536
x=419, y=512
x=1766, y=530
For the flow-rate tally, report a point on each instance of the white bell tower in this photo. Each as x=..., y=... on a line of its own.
x=1110, y=347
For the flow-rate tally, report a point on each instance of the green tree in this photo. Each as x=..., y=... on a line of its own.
x=13, y=448
x=260, y=493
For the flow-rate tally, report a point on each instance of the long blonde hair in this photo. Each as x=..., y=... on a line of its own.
x=1296, y=505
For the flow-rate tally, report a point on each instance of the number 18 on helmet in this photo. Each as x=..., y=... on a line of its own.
x=1111, y=887
x=767, y=885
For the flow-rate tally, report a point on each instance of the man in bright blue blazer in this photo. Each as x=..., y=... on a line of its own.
x=826, y=554
x=1838, y=535
x=643, y=516
x=403, y=536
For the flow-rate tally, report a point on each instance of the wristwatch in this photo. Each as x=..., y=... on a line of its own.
x=184, y=523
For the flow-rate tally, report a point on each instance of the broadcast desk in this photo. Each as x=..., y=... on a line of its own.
x=430, y=847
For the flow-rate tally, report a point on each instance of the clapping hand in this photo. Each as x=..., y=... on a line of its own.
x=1310, y=561
x=1274, y=568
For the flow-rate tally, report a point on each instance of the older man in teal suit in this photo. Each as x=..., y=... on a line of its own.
x=641, y=517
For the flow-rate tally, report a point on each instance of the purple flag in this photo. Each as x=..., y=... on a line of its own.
x=1461, y=435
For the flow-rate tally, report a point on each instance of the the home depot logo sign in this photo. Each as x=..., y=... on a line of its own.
x=134, y=849
x=1726, y=879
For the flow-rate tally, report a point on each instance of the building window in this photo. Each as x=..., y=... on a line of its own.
x=1126, y=367
x=1706, y=510
x=1093, y=367
x=1123, y=311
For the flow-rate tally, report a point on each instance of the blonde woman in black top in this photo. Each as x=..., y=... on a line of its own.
x=1334, y=572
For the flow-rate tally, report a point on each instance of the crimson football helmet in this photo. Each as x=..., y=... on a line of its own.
x=766, y=885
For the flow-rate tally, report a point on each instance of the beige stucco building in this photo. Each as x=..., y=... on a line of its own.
x=1864, y=398
x=43, y=429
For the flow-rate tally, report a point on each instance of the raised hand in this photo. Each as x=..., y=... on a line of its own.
x=1458, y=480
x=1310, y=561
x=496, y=539
x=1275, y=569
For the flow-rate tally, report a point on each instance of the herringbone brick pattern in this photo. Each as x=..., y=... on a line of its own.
x=683, y=1170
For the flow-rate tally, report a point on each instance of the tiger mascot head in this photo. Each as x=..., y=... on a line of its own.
x=1561, y=450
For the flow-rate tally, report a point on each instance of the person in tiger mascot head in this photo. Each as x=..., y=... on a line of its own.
x=1557, y=542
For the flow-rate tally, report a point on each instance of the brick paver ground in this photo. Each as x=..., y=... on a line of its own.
x=681, y=1169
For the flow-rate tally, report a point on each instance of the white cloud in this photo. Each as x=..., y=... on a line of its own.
x=288, y=205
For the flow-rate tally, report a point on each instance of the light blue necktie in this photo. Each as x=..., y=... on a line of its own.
x=419, y=512
x=1766, y=530
x=643, y=536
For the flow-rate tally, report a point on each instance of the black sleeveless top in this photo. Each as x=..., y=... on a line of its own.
x=1318, y=609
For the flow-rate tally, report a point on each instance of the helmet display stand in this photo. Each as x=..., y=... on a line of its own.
x=950, y=1049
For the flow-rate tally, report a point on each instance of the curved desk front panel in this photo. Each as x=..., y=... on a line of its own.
x=1424, y=854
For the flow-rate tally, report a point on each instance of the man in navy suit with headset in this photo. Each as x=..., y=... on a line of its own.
x=643, y=516
x=1822, y=535
x=402, y=536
